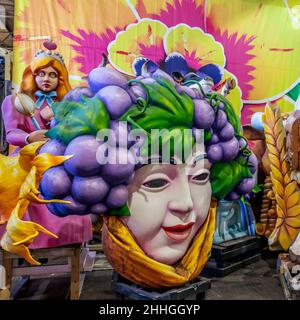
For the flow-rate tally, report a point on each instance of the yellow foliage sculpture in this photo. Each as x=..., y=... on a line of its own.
x=286, y=190
x=19, y=180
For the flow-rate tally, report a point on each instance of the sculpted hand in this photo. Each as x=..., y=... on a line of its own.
x=38, y=135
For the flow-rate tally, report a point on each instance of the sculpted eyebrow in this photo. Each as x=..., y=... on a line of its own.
x=200, y=157
x=159, y=160
x=162, y=168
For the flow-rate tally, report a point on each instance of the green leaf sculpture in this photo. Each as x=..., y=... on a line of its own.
x=78, y=118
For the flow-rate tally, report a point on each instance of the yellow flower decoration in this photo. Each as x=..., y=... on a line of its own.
x=152, y=40
x=198, y=48
x=138, y=40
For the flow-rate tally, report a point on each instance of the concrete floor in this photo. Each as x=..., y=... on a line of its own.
x=258, y=281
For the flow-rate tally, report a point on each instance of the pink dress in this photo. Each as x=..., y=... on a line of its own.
x=70, y=230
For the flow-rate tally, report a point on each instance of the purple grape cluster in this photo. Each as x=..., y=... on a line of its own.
x=244, y=188
x=93, y=186
x=76, y=94
x=223, y=146
x=110, y=87
x=90, y=184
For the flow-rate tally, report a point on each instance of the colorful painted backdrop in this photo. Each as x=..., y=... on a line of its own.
x=256, y=42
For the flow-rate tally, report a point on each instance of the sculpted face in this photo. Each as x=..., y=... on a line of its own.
x=168, y=205
x=47, y=79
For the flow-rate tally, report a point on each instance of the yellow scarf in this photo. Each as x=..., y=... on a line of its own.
x=129, y=260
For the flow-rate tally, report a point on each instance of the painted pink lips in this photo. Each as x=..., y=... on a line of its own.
x=179, y=232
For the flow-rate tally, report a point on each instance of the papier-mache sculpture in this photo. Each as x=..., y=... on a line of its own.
x=27, y=116
x=153, y=156
x=282, y=144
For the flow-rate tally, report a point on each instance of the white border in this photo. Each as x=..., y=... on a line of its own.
x=132, y=8
x=276, y=97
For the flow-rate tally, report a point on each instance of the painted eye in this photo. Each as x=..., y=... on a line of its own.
x=156, y=183
x=41, y=74
x=202, y=177
x=52, y=75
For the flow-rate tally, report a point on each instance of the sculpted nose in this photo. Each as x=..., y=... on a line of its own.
x=181, y=207
x=182, y=202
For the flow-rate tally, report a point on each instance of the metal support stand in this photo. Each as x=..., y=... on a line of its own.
x=232, y=255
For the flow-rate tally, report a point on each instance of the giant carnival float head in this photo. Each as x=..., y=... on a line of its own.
x=153, y=156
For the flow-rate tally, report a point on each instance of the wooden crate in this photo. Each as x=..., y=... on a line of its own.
x=289, y=275
x=4, y=294
x=71, y=252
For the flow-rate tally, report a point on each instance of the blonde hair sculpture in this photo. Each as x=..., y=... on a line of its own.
x=28, y=85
